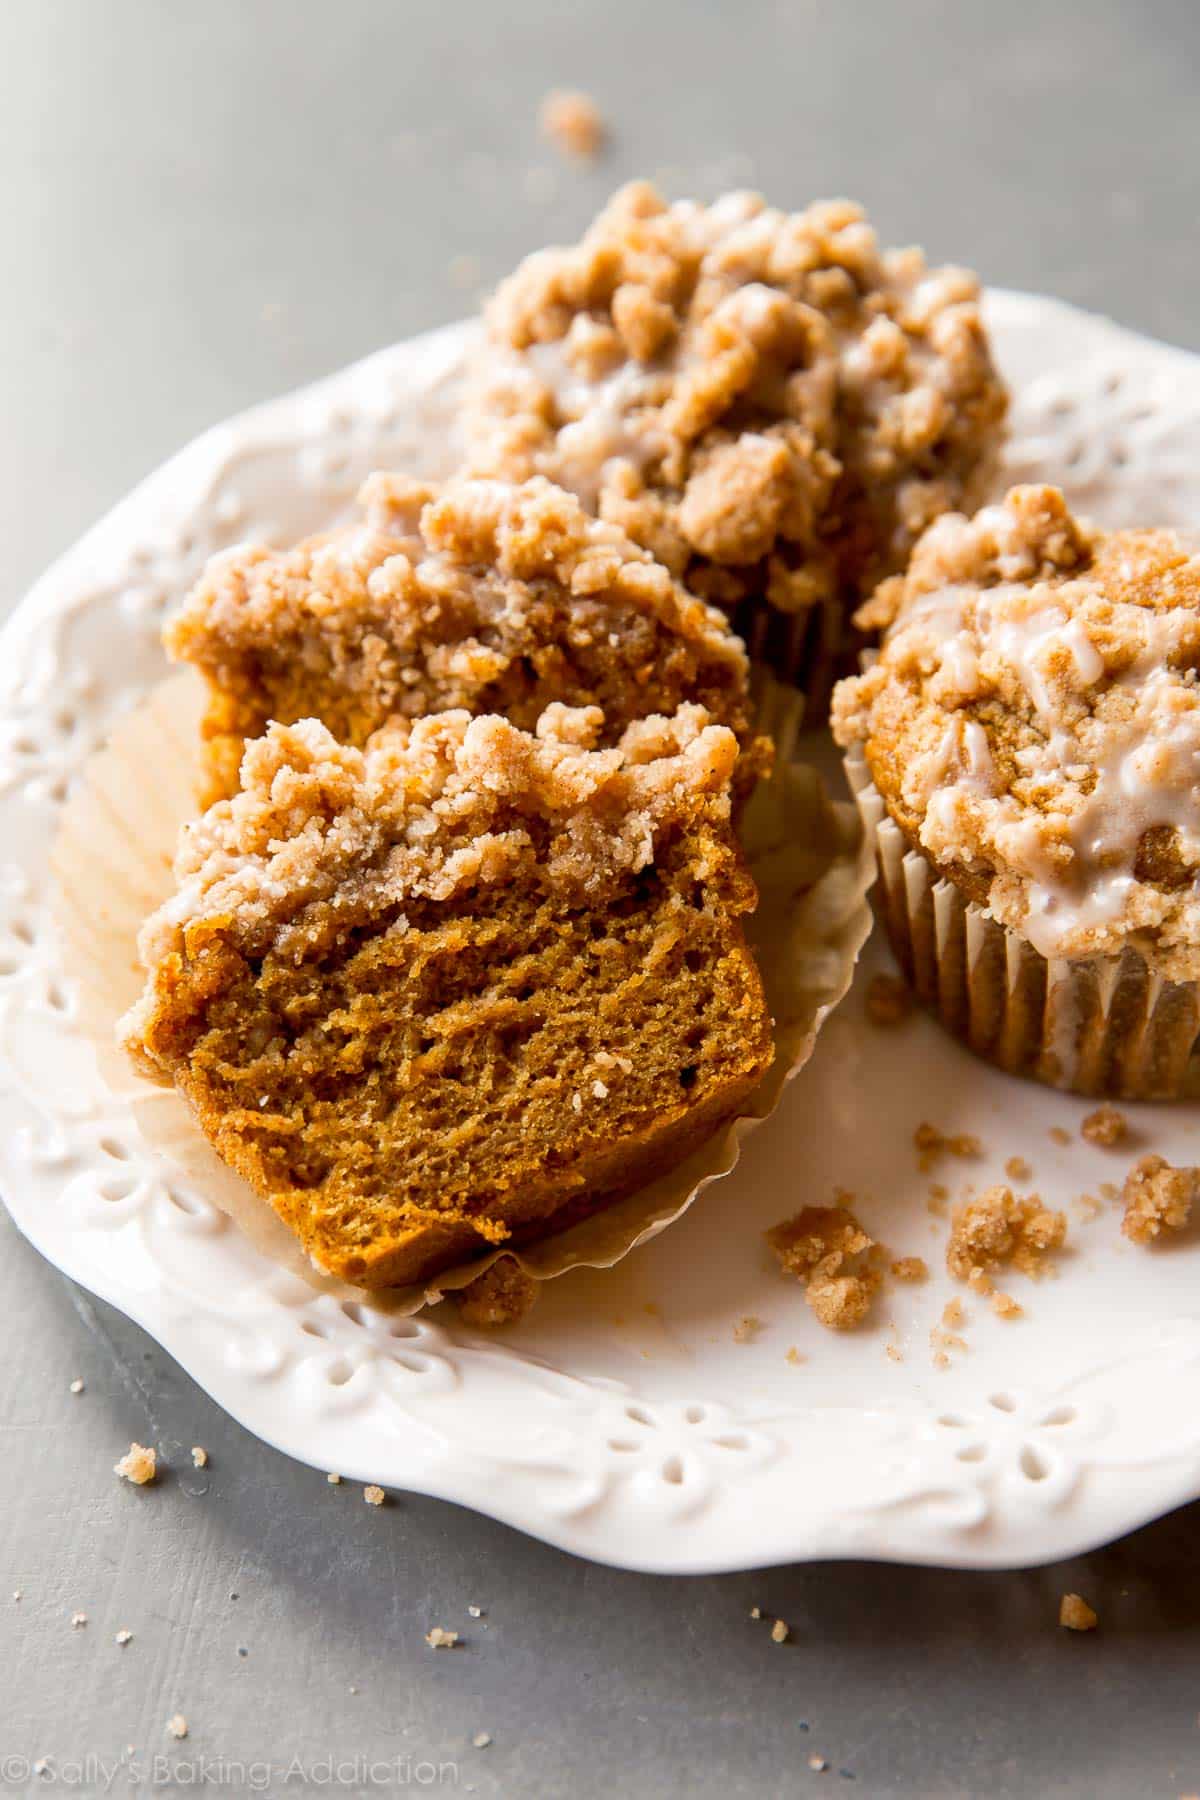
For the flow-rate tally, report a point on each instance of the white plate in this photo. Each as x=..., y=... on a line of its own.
x=622, y=1420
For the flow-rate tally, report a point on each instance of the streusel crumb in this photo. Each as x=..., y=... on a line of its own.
x=500, y=1296
x=910, y=1268
x=138, y=1465
x=573, y=123
x=1157, y=1198
x=780, y=1632
x=1075, y=1613
x=770, y=402
x=827, y=1249
x=374, y=1495
x=1001, y=1228
x=481, y=595
x=440, y=1639
x=1106, y=1126
x=1017, y=1169
x=889, y=1001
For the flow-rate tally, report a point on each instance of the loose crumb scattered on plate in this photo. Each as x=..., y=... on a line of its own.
x=333, y=1480
x=124, y=1637
x=1105, y=1126
x=199, y=1456
x=1059, y=1135
x=78, y=1619
x=177, y=1726
x=827, y=1249
x=1000, y=1227
x=888, y=1001
x=572, y=122
x=500, y=1296
x=756, y=1612
x=930, y=1144
x=476, y=1612
x=437, y=1639
x=779, y=1632
x=1005, y=1307
x=794, y=1355
x=1017, y=1169
x=1157, y=1198
x=747, y=1329
x=910, y=1268
x=77, y=1386
x=482, y=1739
x=1075, y=1613
x=818, y=1764
x=374, y=1496
x=139, y=1465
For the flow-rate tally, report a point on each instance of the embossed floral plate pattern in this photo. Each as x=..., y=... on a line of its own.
x=683, y=1411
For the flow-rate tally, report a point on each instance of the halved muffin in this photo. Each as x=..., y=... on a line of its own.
x=460, y=988
x=495, y=597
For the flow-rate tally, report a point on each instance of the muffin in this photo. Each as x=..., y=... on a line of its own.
x=460, y=988
x=481, y=594
x=1027, y=749
x=768, y=402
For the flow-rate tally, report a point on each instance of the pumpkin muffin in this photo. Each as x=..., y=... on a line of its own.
x=462, y=987
x=1028, y=747
x=768, y=401
x=479, y=594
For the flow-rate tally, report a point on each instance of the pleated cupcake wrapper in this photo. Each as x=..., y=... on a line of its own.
x=806, y=651
x=1107, y=1026
x=113, y=867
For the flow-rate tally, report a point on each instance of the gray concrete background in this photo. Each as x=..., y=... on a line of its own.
x=204, y=204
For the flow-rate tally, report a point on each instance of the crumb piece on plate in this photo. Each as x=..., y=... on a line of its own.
x=1000, y=1228
x=794, y=1355
x=1059, y=1135
x=888, y=1001
x=1157, y=1198
x=78, y=1619
x=476, y=1612
x=177, y=1726
x=123, y=1637
x=199, y=1456
x=930, y=1143
x=77, y=1386
x=438, y=1639
x=779, y=1632
x=747, y=1329
x=893, y=1352
x=910, y=1268
x=980, y=1282
x=952, y=1314
x=1075, y=1613
x=827, y=1249
x=1005, y=1307
x=756, y=1612
x=373, y=1495
x=1017, y=1169
x=573, y=123
x=333, y=1480
x=500, y=1296
x=817, y=1764
x=482, y=1739
x=1106, y=1126
x=138, y=1465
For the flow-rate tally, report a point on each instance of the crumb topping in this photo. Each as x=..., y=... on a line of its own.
x=1157, y=1198
x=502, y=1295
x=1033, y=723
x=1000, y=1228
x=440, y=1639
x=495, y=597
x=322, y=835
x=827, y=1249
x=770, y=402
x=1106, y=1126
x=138, y=1465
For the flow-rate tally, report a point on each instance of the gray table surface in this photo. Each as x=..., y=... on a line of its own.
x=204, y=204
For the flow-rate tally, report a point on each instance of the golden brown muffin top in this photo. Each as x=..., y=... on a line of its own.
x=1033, y=722
x=742, y=389
x=323, y=835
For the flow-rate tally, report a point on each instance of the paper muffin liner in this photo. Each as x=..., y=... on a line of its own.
x=113, y=861
x=807, y=651
x=1103, y=1026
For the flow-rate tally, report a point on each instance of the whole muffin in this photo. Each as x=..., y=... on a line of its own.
x=769, y=402
x=497, y=597
x=1027, y=748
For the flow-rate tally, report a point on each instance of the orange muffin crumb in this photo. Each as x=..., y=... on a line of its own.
x=1157, y=1198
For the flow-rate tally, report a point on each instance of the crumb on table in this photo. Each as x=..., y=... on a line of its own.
x=138, y=1465
x=438, y=1639
x=888, y=1001
x=573, y=122
x=177, y=1726
x=199, y=1456
x=1106, y=1126
x=1157, y=1198
x=374, y=1495
x=1075, y=1613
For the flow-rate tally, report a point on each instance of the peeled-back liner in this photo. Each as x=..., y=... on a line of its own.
x=1106, y=1025
x=113, y=862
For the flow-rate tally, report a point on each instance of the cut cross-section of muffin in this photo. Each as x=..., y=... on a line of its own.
x=495, y=597
x=462, y=987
